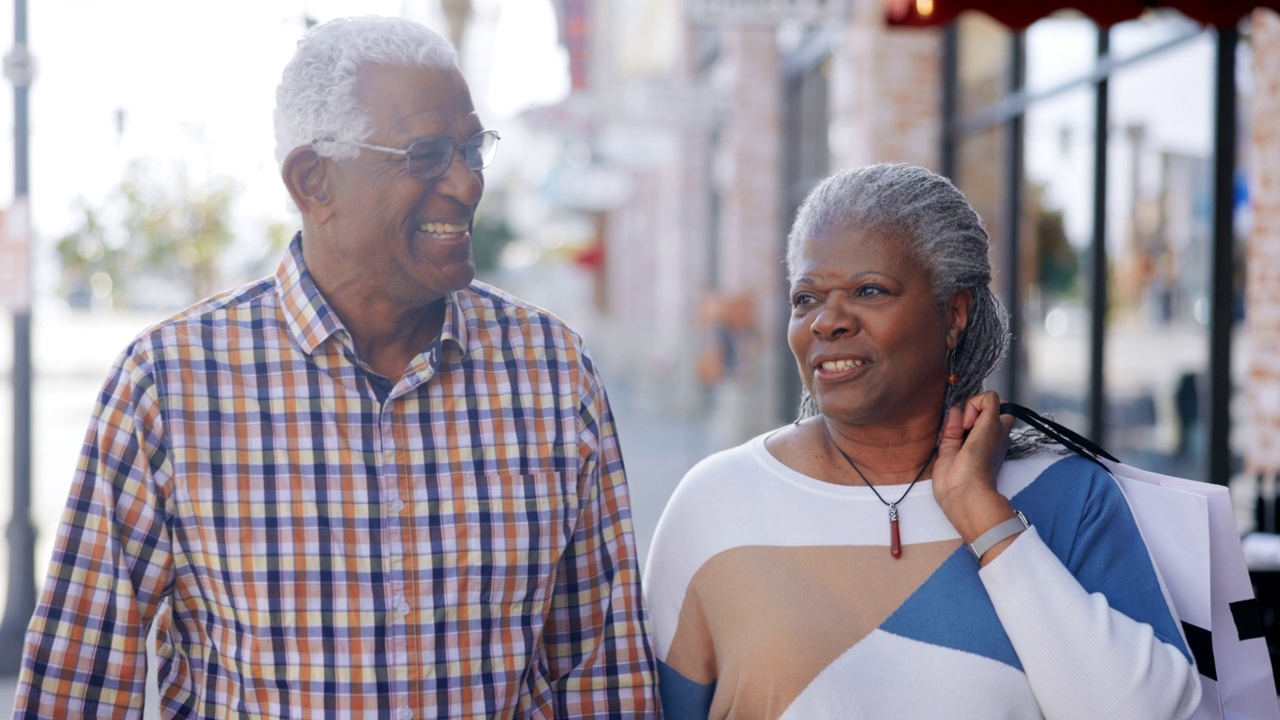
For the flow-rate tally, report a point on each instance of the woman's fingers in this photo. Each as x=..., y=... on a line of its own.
x=970, y=452
x=973, y=442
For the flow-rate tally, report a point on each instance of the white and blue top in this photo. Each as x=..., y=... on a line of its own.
x=773, y=594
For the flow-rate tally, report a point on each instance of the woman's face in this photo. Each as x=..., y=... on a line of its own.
x=870, y=341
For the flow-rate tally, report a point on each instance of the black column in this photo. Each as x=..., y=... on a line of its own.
x=1013, y=217
x=1098, y=256
x=21, y=533
x=1222, y=283
x=950, y=151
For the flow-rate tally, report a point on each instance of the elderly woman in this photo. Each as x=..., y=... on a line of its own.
x=894, y=553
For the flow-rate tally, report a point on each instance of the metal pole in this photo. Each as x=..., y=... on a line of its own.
x=1013, y=219
x=1223, y=280
x=1098, y=259
x=950, y=103
x=21, y=532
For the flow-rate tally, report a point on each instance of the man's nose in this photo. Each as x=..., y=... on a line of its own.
x=461, y=182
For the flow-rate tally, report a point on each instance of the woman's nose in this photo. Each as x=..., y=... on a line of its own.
x=833, y=319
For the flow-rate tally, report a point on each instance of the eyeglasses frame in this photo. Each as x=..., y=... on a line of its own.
x=457, y=148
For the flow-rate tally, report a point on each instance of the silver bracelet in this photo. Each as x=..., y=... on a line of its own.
x=990, y=538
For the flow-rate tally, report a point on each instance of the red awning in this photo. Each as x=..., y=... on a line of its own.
x=1021, y=13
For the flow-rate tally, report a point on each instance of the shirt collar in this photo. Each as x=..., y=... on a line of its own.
x=453, y=335
x=311, y=321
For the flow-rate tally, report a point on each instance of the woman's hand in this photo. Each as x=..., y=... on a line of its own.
x=970, y=452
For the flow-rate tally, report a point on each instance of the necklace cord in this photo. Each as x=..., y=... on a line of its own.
x=891, y=505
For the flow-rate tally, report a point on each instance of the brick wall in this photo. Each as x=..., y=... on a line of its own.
x=1262, y=321
x=885, y=92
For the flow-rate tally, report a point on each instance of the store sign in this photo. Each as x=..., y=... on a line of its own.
x=15, y=258
x=764, y=12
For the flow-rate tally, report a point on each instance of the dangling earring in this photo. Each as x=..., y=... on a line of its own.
x=952, y=377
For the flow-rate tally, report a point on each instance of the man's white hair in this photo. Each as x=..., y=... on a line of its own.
x=316, y=97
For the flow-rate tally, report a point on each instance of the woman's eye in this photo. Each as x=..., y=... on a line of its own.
x=801, y=299
x=870, y=290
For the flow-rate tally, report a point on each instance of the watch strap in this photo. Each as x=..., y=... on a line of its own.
x=1006, y=529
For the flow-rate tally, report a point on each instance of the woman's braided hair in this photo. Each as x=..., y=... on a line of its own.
x=935, y=224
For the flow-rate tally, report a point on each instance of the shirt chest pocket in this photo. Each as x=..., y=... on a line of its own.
x=518, y=527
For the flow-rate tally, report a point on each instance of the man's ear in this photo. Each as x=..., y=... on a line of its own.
x=306, y=175
x=958, y=316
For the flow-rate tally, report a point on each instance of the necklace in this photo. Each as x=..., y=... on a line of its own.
x=895, y=539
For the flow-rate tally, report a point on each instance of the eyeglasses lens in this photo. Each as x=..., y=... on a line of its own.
x=430, y=158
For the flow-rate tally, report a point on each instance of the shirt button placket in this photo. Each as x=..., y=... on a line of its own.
x=394, y=550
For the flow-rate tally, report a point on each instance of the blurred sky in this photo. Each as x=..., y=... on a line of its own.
x=194, y=83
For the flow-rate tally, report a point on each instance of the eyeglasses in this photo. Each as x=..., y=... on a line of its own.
x=429, y=158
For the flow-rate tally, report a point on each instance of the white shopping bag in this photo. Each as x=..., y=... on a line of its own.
x=1191, y=532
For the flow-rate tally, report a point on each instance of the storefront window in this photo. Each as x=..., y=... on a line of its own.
x=1060, y=49
x=1159, y=243
x=1158, y=220
x=1058, y=215
x=1058, y=229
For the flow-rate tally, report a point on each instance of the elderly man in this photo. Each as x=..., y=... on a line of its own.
x=369, y=486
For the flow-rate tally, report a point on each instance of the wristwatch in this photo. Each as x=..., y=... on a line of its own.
x=990, y=538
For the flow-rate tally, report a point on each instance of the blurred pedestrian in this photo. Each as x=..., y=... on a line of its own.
x=1187, y=401
x=369, y=486
x=895, y=553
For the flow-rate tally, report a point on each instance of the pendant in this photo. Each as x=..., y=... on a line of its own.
x=895, y=540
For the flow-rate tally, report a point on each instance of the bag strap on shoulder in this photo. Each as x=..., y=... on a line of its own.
x=1062, y=434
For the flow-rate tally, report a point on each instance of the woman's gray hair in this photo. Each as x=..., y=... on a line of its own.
x=935, y=224
x=317, y=97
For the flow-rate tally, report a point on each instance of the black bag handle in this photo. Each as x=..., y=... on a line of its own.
x=1069, y=438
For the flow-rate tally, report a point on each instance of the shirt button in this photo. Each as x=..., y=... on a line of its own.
x=402, y=609
x=397, y=505
x=406, y=713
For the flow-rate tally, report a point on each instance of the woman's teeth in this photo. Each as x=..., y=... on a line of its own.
x=839, y=365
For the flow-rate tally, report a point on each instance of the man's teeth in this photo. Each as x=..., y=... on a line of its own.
x=839, y=365
x=442, y=228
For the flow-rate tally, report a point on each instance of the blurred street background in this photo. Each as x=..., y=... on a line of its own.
x=653, y=154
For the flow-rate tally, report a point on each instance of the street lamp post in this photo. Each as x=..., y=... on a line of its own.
x=21, y=533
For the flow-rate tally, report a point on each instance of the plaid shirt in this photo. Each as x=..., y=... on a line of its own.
x=461, y=548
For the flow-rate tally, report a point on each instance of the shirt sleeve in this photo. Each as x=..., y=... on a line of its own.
x=85, y=651
x=596, y=645
x=1088, y=619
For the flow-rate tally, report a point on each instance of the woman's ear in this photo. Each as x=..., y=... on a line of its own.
x=306, y=175
x=958, y=316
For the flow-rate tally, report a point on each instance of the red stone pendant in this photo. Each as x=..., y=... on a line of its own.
x=895, y=540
